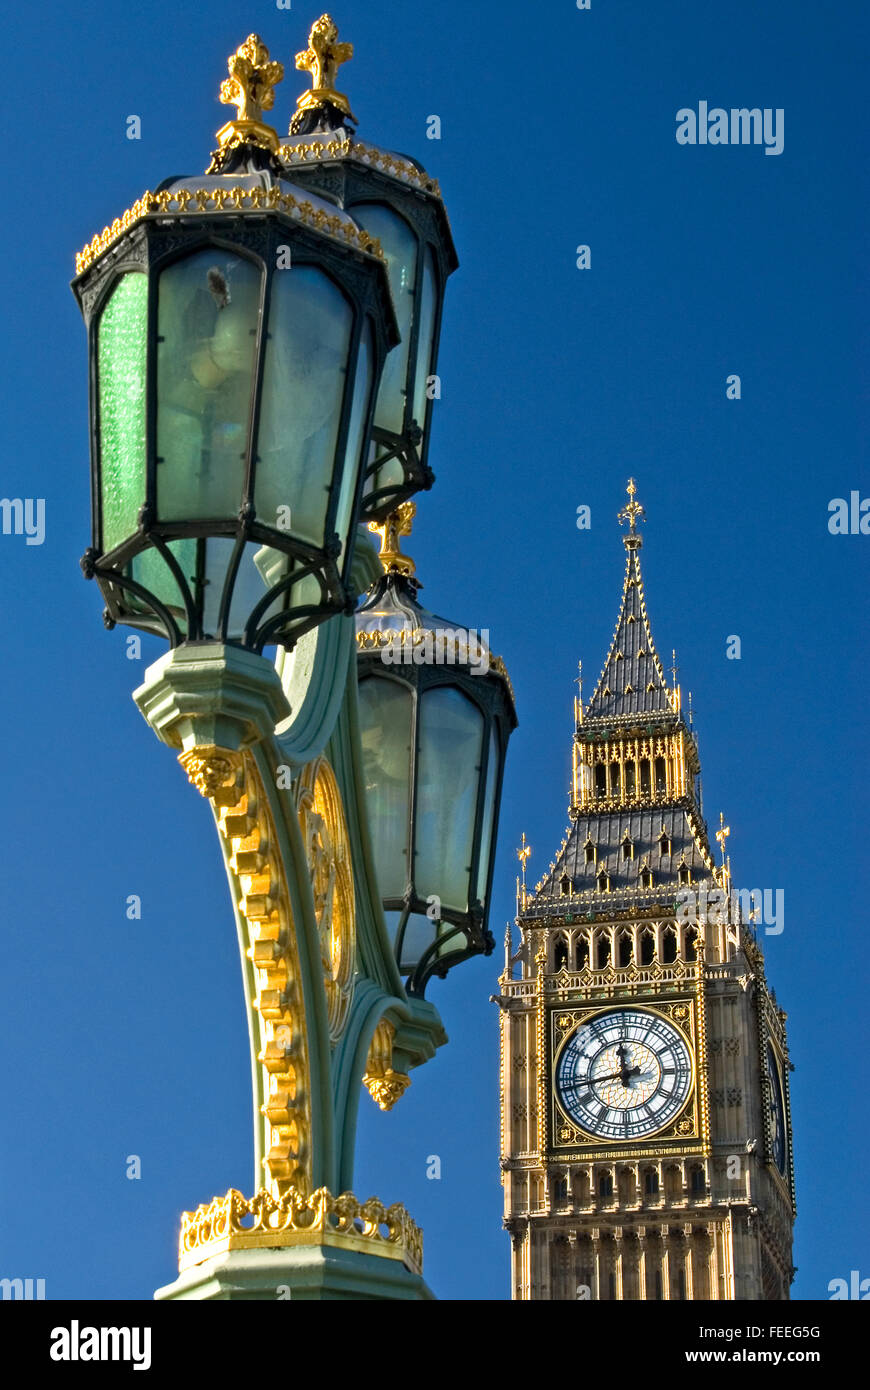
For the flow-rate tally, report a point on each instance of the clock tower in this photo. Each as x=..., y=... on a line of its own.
x=645, y=1126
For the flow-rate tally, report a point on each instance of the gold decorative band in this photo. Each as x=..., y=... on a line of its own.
x=294, y=1219
x=187, y=201
x=311, y=151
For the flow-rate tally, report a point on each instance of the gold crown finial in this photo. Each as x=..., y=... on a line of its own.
x=250, y=87
x=630, y=513
x=322, y=59
x=399, y=523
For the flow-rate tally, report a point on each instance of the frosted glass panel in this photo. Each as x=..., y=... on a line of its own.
x=424, y=342
x=385, y=728
x=208, y=318
x=355, y=435
x=305, y=369
x=399, y=245
x=121, y=344
x=488, y=815
x=450, y=745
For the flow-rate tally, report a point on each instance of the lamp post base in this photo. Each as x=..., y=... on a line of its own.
x=302, y=1272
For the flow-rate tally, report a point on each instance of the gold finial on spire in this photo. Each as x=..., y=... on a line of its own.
x=630, y=513
x=250, y=87
x=523, y=854
x=322, y=59
x=722, y=834
x=397, y=524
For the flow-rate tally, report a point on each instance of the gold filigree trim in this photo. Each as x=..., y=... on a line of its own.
x=189, y=202
x=413, y=636
x=231, y=781
x=327, y=849
x=234, y=1222
x=314, y=151
x=384, y=1085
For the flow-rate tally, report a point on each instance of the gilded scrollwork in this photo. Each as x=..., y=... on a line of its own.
x=327, y=849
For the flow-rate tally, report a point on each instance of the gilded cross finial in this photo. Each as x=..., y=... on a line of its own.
x=523, y=855
x=322, y=59
x=722, y=834
x=252, y=81
x=399, y=523
x=630, y=513
x=250, y=87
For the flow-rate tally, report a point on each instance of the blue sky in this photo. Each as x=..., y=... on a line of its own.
x=557, y=128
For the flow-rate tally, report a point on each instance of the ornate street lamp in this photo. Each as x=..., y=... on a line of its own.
x=436, y=713
x=237, y=327
x=394, y=198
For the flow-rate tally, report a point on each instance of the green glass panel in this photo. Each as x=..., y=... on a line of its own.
x=448, y=773
x=151, y=570
x=385, y=709
x=121, y=345
x=208, y=320
x=304, y=374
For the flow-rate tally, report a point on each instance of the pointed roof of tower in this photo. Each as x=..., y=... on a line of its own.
x=632, y=681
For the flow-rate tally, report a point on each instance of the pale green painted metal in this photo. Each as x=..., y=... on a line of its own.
x=209, y=694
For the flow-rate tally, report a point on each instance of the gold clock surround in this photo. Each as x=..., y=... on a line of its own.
x=686, y=1133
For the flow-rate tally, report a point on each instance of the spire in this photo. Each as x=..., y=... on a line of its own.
x=633, y=680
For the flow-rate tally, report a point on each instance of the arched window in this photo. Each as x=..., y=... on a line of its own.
x=664, y=843
x=630, y=779
x=661, y=782
x=644, y=777
x=603, y=881
x=589, y=852
x=651, y=1182
x=614, y=779
x=669, y=950
x=602, y=952
x=605, y=1185
x=581, y=953
x=560, y=1192
x=561, y=955
x=699, y=1182
x=692, y=943
x=628, y=847
x=684, y=875
x=624, y=949
x=647, y=947
x=565, y=886
x=600, y=781
x=646, y=878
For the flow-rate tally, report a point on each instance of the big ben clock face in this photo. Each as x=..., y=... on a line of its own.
x=776, y=1113
x=624, y=1074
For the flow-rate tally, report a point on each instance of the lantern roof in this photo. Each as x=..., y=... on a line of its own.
x=392, y=611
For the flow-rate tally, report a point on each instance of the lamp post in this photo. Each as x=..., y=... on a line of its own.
x=239, y=329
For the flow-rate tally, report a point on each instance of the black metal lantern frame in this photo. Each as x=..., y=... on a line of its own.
x=467, y=932
x=150, y=247
x=353, y=185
